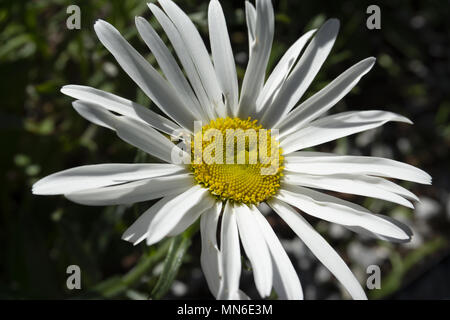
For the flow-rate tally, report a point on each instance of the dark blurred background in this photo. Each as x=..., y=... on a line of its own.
x=41, y=134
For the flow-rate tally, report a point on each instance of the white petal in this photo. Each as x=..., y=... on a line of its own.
x=285, y=279
x=256, y=249
x=250, y=17
x=158, y=221
x=190, y=203
x=134, y=132
x=100, y=175
x=328, y=163
x=168, y=65
x=145, y=138
x=402, y=226
x=259, y=56
x=211, y=256
x=374, y=187
x=337, y=126
x=223, y=56
x=339, y=211
x=279, y=74
x=132, y=192
x=120, y=105
x=303, y=73
x=138, y=231
x=185, y=59
x=325, y=99
x=192, y=216
x=231, y=255
x=320, y=248
x=93, y=113
x=195, y=46
x=145, y=76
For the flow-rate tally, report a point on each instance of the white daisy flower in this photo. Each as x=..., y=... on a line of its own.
x=226, y=196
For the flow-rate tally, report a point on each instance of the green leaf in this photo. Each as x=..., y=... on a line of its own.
x=172, y=263
x=117, y=285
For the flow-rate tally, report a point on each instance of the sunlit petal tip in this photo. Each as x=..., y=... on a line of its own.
x=100, y=23
x=427, y=178
x=400, y=118
x=370, y=61
x=403, y=236
x=407, y=239
x=132, y=238
x=126, y=236
x=38, y=188
x=406, y=120
x=398, y=230
x=410, y=205
x=65, y=88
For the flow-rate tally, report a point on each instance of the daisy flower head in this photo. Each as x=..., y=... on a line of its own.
x=238, y=150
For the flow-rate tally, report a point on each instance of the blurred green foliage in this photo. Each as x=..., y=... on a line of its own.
x=41, y=134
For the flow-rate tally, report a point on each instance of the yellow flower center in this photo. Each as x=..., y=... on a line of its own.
x=237, y=160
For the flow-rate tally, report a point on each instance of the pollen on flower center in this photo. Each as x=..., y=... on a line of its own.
x=237, y=160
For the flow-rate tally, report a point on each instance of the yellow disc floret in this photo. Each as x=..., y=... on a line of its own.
x=237, y=160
